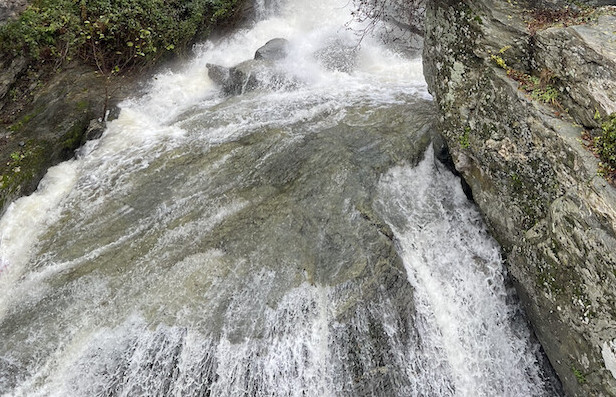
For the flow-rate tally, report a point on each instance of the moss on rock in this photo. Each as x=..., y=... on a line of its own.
x=535, y=184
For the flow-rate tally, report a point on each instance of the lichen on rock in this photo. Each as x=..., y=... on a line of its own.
x=535, y=183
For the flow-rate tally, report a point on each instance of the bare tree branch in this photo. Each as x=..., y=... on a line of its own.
x=399, y=19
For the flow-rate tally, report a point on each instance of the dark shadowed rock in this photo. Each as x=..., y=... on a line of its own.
x=218, y=74
x=95, y=129
x=274, y=50
x=53, y=126
x=12, y=69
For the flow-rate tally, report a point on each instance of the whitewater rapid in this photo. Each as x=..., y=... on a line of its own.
x=284, y=242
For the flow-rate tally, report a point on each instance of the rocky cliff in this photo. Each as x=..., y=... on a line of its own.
x=518, y=84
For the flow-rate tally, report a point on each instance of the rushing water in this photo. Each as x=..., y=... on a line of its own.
x=292, y=242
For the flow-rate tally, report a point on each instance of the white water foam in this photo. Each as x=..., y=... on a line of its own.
x=23, y=223
x=297, y=357
x=464, y=315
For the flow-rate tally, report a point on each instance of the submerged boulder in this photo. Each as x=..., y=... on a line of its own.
x=218, y=74
x=249, y=75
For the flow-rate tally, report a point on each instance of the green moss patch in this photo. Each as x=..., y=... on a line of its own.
x=605, y=147
x=20, y=124
x=579, y=375
x=539, y=87
x=23, y=170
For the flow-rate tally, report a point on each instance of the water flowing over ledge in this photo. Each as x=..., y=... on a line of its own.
x=286, y=242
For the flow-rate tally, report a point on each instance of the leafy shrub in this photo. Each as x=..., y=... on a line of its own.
x=42, y=30
x=605, y=144
x=111, y=34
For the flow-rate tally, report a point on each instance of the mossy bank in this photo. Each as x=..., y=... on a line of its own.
x=518, y=85
x=65, y=64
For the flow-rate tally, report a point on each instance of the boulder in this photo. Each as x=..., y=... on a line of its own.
x=261, y=72
x=531, y=176
x=218, y=74
x=246, y=76
x=274, y=50
x=95, y=129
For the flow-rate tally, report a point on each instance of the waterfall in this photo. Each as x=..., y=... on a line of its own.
x=294, y=240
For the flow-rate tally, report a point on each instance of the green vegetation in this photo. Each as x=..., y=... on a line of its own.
x=578, y=375
x=112, y=35
x=539, y=88
x=21, y=169
x=498, y=59
x=19, y=125
x=517, y=181
x=547, y=94
x=464, y=138
x=605, y=147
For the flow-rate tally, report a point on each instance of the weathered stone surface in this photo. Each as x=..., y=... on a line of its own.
x=11, y=8
x=298, y=228
x=12, y=68
x=274, y=50
x=584, y=59
x=536, y=185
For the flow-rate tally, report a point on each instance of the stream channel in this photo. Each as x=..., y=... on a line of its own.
x=292, y=240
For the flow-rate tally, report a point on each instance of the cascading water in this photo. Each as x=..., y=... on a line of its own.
x=281, y=242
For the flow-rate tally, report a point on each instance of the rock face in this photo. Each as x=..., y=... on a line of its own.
x=10, y=8
x=584, y=59
x=532, y=178
x=62, y=115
